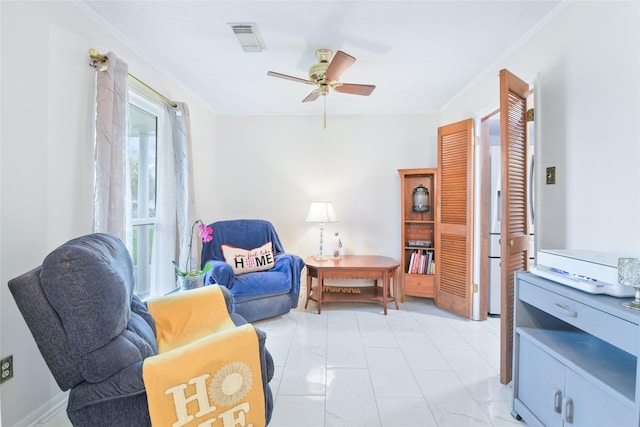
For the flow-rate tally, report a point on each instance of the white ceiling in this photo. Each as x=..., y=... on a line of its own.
x=419, y=54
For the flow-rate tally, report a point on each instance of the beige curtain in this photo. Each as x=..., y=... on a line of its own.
x=112, y=196
x=183, y=181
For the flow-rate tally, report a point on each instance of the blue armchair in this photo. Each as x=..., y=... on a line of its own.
x=256, y=295
x=97, y=337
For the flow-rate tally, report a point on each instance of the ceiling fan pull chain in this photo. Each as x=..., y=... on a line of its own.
x=325, y=112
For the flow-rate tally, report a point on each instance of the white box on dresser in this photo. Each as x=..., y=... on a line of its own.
x=575, y=356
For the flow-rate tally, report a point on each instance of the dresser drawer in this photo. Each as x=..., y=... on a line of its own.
x=614, y=330
x=420, y=285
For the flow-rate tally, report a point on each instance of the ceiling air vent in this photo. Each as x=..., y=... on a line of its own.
x=248, y=36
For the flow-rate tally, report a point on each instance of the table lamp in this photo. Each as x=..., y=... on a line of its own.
x=321, y=212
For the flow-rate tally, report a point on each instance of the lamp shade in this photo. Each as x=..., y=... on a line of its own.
x=321, y=212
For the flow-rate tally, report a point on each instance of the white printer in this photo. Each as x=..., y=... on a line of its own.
x=589, y=271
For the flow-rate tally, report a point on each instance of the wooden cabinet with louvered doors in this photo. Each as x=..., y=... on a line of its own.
x=418, y=251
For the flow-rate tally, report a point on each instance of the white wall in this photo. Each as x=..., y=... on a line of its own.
x=584, y=65
x=274, y=167
x=46, y=162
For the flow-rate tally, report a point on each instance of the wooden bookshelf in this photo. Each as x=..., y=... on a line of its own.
x=418, y=231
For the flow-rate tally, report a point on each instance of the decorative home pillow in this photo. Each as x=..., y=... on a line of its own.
x=245, y=261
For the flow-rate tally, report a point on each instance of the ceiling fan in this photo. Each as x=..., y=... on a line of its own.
x=325, y=75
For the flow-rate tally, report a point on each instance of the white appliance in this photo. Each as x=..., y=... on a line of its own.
x=589, y=271
x=493, y=306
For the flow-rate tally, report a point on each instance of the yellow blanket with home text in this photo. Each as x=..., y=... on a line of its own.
x=207, y=371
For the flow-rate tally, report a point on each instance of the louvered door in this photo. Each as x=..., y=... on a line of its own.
x=454, y=264
x=514, y=235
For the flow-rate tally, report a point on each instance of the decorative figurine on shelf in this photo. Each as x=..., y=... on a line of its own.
x=420, y=199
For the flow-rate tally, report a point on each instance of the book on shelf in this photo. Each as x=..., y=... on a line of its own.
x=416, y=261
x=411, y=261
x=421, y=262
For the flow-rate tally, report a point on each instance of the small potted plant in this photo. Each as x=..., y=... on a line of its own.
x=190, y=278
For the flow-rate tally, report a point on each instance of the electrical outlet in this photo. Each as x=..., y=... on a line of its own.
x=6, y=366
x=551, y=175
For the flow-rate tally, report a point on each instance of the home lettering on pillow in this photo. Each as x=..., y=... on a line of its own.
x=245, y=261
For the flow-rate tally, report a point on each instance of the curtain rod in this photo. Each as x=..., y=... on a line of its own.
x=99, y=57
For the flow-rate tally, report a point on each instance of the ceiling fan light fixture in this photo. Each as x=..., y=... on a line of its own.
x=248, y=36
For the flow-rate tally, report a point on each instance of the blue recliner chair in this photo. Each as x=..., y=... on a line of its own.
x=256, y=295
x=96, y=335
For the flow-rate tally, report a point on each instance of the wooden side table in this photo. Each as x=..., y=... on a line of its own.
x=353, y=267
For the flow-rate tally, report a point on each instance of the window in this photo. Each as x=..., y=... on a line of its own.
x=151, y=197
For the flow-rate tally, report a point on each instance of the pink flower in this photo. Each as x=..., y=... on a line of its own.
x=205, y=233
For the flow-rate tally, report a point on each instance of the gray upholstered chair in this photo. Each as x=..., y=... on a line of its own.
x=95, y=333
x=264, y=292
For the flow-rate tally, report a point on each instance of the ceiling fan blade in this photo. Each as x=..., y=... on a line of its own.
x=354, y=89
x=312, y=96
x=286, y=77
x=339, y=64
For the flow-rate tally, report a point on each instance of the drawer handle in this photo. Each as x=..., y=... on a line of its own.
x=566, y=310
x=557, y=401
x=568, y=411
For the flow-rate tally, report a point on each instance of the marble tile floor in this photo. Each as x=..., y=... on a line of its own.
x=352, y=366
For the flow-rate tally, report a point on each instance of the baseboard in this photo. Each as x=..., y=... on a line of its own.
x=43, y=415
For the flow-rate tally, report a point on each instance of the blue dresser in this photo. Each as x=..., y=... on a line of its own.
x=575, y=357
